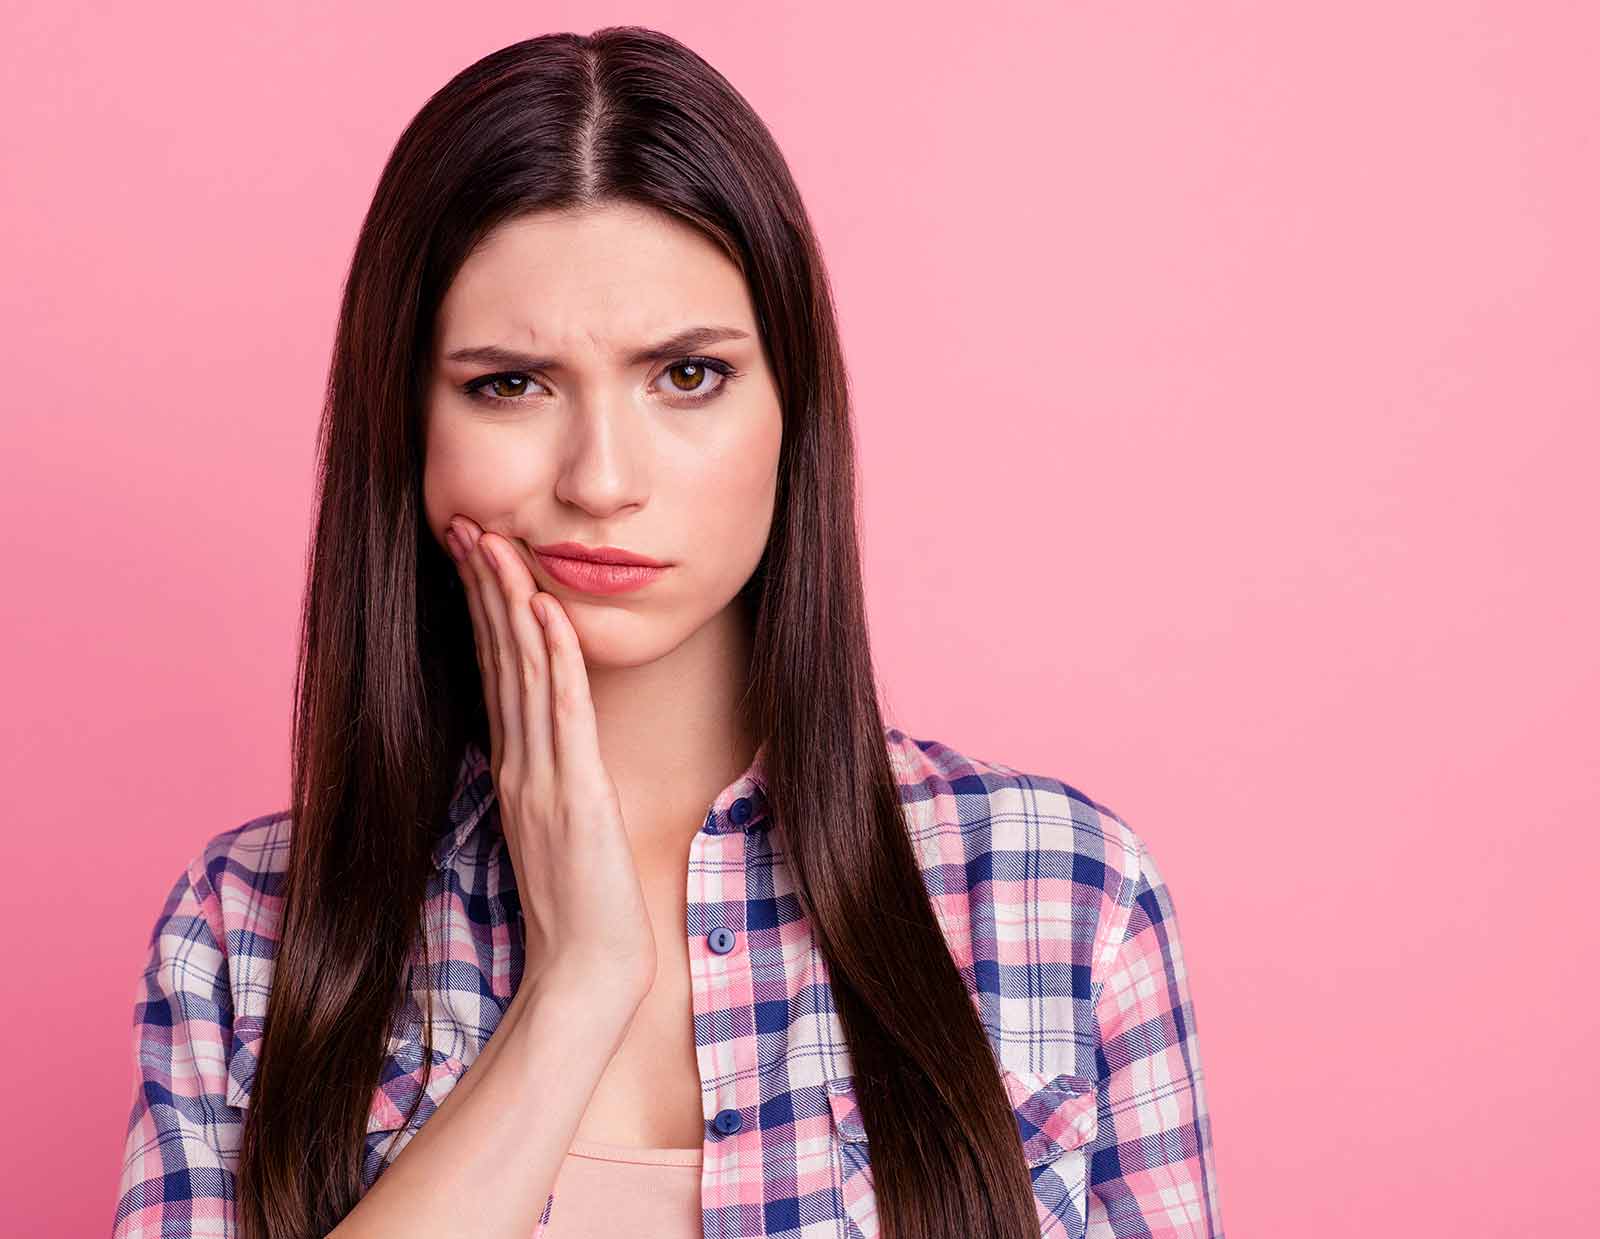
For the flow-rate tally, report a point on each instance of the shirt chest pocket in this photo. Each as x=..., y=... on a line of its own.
x=1057, y=1118
x=399, y=1082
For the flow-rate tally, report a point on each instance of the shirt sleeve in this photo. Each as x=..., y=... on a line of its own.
x=182, y=1138
x=1152, y=1170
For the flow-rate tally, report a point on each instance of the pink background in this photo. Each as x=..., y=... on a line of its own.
x=1226, y=384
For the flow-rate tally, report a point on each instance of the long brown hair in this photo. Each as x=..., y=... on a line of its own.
x=388, y=692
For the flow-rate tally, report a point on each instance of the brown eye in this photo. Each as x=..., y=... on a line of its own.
x=511, y=379
x=689, y=377
x=490, y=389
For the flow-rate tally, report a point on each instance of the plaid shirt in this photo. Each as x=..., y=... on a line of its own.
x=1054, y=910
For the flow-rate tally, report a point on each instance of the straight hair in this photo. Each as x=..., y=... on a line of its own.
x=388, y=693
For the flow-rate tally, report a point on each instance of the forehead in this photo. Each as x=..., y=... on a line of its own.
x=608, y=277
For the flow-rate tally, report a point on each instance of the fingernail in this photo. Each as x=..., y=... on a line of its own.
x=457, y=552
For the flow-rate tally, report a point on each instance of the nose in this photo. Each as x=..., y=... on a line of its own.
x=605, y=464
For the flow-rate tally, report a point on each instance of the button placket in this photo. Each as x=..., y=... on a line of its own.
x=723, y=983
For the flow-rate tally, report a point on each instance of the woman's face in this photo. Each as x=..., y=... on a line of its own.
x=574, y=437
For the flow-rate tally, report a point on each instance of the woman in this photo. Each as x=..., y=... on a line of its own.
x=611, y=904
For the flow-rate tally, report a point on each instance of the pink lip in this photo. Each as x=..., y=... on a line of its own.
x=593, y=577
x=600, y=554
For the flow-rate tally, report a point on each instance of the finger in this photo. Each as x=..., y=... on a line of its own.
x=533, y=661
x=482, y=643
x=577, y=738
x=508, y=689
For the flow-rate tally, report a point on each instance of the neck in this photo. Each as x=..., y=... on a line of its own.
x=670, y=734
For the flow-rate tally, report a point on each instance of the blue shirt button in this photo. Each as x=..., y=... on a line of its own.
x=728, y=1121
x=740, y=812
x=721, y=940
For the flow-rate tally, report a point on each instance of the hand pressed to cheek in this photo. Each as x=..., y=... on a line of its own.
x=463, y=538
x=524, y=654
x=548, y=775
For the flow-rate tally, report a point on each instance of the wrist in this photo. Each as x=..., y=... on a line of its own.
x=564, y=1004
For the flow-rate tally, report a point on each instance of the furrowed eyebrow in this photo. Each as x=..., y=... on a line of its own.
x=686, y=341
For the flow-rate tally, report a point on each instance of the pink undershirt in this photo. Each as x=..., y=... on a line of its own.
x=604, y=1190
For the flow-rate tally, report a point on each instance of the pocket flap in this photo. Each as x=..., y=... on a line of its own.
x=401, y=1079
x=846, y=1113
x=1055, y=1111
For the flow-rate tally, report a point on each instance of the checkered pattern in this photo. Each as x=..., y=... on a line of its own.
x=1057, y=916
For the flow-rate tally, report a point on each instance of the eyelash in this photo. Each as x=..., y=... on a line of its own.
x=475, y=391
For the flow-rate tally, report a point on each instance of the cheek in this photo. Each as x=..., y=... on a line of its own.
x=735, y=514
x=442, y=473
x=469, y=473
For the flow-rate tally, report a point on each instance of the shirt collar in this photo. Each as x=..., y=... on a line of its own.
x=740, y=806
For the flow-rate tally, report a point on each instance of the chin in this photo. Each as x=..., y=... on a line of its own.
x=614, y=637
